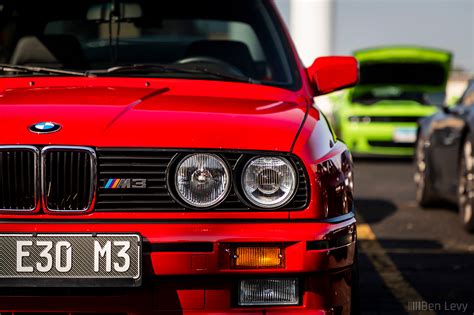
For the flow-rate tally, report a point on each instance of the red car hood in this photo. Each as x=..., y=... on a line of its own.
x=107, y=112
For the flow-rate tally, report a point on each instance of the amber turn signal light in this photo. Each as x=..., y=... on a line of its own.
x=258, y=257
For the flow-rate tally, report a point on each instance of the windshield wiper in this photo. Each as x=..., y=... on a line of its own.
x=29, y=69
x=136, y=68
x=226, y=76
x=150, y=68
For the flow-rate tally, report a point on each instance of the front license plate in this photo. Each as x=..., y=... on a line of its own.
x=70, y=260
x=404, y=135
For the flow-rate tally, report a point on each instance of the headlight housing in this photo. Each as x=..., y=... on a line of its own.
x=202, y=180
x=269, y=182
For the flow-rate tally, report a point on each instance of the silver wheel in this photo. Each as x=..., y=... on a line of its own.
x=466, y=186
x=420, y=167
x=424, y=195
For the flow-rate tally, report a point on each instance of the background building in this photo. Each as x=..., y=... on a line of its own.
x=338, y=27
x=323, y=27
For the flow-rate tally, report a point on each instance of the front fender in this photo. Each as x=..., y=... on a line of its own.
x=330, y=169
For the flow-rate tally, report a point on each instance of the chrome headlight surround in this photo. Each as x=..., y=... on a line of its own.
x=204, y=174
x=268, y=175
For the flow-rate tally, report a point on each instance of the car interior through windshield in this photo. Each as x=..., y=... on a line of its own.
x=233, y=38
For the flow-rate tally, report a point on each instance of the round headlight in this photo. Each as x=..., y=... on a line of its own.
x=202, y=180
x=269, y=182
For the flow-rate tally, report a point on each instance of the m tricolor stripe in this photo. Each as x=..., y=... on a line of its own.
x=112, y=183
x=125, y=183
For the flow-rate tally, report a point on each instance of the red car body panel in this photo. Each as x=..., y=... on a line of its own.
x=204, y=115
x=166, y=114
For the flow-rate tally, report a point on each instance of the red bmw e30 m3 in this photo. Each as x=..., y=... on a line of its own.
x=167, y=157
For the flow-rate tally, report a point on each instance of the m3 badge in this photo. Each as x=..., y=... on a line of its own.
x=125, y=183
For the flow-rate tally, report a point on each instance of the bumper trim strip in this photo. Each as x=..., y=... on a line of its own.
x=338, y=219
x=198, y=247
x=328, y=244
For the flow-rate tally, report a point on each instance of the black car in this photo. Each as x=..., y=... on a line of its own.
x=444, y=159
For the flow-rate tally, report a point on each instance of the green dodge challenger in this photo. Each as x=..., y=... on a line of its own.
x=379, y=116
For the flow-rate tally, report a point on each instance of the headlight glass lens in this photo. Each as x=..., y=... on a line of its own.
x=202, y=180
x=269, y=182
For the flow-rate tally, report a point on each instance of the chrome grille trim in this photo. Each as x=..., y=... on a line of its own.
x=36, y=179
x=92, y=188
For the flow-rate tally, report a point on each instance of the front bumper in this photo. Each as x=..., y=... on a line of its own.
x=376, y=139
x=184, y=273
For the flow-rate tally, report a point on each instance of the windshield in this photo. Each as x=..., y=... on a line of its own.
x=229, y=38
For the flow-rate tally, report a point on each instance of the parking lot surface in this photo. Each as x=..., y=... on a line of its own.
x=413, y=260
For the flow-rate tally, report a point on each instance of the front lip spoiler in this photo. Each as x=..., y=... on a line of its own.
x=337, y=219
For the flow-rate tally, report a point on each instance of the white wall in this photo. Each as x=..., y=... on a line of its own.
x=447, y=24
x=311, y=27
x=355, y=24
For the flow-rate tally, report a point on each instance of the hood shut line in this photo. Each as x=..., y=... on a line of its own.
x=135, y=103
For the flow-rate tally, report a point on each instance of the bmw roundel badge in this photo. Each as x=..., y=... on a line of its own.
x=45, y=127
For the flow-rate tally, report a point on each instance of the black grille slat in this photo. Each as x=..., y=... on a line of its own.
x=142, y=195
x=2, y=187
x=157, y=187
x=395, y=119
x=78, y=180
x=13, y=172
x=136, y=202
x=132, y=165
x=133, y=172
x=391, y=144
x=22, y=175
x=68, y=179
x=8, y=202
x=57, y=173
x=152, y=166
x=17, y=179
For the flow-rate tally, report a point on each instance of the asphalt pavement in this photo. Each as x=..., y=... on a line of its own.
x=413, y=260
